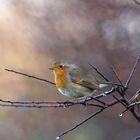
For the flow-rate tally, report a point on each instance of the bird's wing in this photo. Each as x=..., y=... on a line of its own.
x=86, y=84
x=83, y=78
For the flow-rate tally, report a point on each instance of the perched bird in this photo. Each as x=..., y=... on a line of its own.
x=73, y=81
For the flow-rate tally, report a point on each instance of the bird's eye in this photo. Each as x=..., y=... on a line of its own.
x=61, y=66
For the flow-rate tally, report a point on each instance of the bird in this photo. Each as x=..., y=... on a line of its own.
x=74, y=81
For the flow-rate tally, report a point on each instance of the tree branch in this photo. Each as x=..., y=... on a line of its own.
x=85, y=120
x=106, y=79
x=117, y=76
x=128, y=104
x=136, y=138
x=30, y=76
x=132, y=72
x=137, y=2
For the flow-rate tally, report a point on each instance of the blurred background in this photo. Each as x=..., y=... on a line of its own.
x=35, y=33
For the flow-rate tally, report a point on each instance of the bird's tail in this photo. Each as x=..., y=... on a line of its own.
x=103, y=84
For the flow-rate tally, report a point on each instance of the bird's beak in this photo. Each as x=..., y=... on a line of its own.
x=51, y=68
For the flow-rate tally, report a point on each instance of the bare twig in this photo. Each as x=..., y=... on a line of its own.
x=31, y=102
x=80, y=123
x=137, y=2
x=93, y=98
x=135, y=96
x=136, y=138
x=30, y=76
x=97, y=97
x=119, y=100
x=116, y=74
x=56, y=103
x=135, y=103
x=130, y=107
x=121, y=114
x=137, y=117
x=33, y=105
x=132, y=72
x=85, y=120
x=95, y=105
x=99, y=72
x=103, y=94
x=45, y=104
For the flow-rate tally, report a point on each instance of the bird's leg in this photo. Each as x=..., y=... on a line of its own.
x=83, y=100
x=77, y=100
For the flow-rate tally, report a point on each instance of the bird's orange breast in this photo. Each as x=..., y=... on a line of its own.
x=61, y=81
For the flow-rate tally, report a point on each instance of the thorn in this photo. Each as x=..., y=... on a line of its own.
x=57, y=138
x=104, y=94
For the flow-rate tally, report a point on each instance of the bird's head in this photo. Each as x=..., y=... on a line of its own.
x=61, y=68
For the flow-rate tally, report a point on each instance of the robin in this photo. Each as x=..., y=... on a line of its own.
x=73, y=81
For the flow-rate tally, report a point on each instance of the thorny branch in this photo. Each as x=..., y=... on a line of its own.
x=129, y=104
